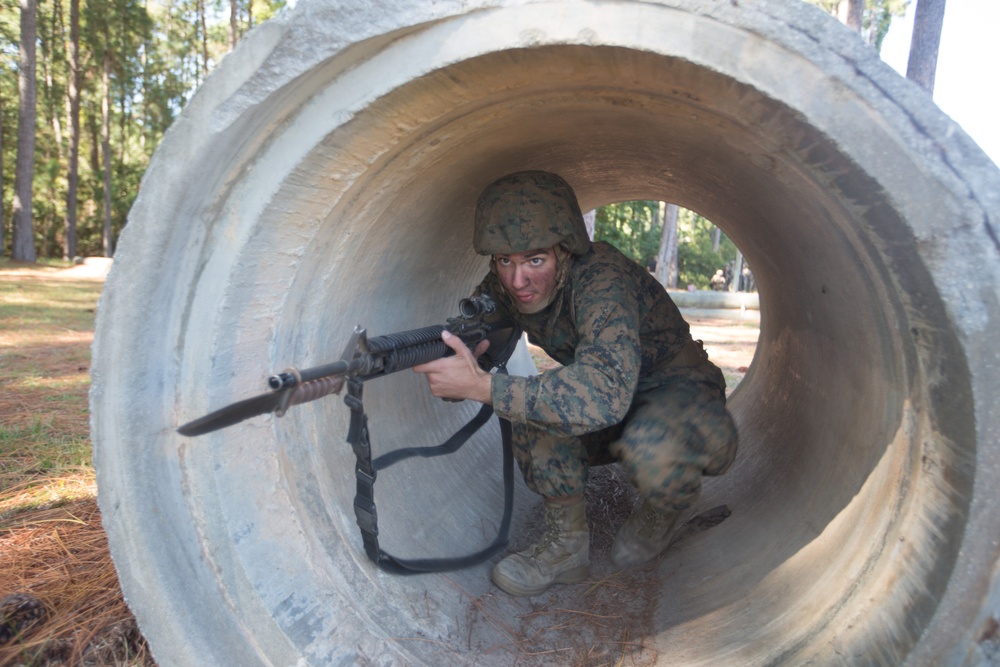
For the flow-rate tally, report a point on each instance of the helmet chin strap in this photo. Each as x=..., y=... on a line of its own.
x=563, y=257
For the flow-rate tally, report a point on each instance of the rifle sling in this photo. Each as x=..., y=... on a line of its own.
x=366, y=471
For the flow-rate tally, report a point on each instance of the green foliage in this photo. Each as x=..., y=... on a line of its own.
x=635, y=228
x=697, y=262
x=155, y=52
x=879, y=16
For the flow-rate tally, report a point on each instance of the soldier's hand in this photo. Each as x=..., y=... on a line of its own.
x=458, y=377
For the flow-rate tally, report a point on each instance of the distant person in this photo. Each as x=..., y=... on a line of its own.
x=718, y=281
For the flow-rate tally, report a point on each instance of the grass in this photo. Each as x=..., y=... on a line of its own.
x=52, y=545
x=46, y=328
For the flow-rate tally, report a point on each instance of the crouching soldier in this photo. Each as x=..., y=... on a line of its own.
x=633, y=386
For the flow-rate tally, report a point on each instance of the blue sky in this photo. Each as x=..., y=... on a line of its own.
x=967, y=83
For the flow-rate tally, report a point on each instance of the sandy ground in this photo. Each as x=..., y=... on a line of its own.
x=730, y=343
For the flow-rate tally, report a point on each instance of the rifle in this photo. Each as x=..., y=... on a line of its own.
x=367, y=358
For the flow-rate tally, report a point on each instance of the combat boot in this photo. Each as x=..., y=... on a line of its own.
x=643, y=536
x=561, y=556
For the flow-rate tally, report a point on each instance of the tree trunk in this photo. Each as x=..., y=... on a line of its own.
x=666, y=260
x=73, y=104
x=2, y=246
x=851, y=13
x=109, y=249
x=94, y=154
x=716, y=239
x=234, y=23
x=50, y=59
x=204, y=38
x=143, y=62
x=23, y=239
x=734, y=281
x=927, y=22
x=124, y=125
x=50, y=43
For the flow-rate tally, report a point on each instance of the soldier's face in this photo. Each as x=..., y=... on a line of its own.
x=529, y=278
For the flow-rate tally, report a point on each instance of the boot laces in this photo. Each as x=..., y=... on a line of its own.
x=652, y=523
x=552, y=531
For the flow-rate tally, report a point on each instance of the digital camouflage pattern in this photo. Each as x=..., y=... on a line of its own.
x=526, y=211
x=630, y=387
x=670, y=438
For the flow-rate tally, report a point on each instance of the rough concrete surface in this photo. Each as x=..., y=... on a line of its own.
x=325, y=176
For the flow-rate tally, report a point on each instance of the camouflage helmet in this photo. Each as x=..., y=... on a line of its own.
x=526, y=211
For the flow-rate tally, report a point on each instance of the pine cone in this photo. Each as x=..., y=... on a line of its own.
x=18, y=613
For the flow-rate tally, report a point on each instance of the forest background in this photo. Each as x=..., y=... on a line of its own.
x=87, y=96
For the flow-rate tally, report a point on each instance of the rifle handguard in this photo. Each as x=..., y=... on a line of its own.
x=310, y=391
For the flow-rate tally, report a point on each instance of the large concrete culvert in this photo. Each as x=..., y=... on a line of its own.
x=325, y=176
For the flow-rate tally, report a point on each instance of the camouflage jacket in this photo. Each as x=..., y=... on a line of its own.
x=614, y=329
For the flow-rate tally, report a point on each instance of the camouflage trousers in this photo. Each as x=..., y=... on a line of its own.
x=671, y=437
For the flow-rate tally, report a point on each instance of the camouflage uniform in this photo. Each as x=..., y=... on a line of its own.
x=633, y=386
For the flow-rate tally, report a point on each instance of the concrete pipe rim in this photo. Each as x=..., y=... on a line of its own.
x=303, y=187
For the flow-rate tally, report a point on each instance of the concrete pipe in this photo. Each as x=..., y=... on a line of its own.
x=325, y=176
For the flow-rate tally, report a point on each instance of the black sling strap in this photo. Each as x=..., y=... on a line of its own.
x=366, y=471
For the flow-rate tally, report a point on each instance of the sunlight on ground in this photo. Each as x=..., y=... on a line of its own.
x=47, y=492
x=730, y=345
x=21, y=337
x=73, y=381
